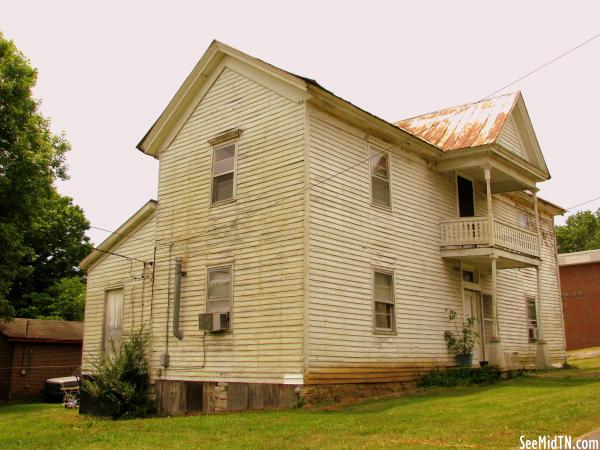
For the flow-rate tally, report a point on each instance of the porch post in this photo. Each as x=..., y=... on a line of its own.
x=490, y=214
x=496, y=355
x=542, y=360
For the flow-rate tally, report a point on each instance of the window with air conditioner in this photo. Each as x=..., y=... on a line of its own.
x=219, y=290
x=532, y=317
x=383, y=299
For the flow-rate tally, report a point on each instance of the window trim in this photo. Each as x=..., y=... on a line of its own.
x=230, y=266
x=386, y=271
x=214, y=148
x=105, y=313
x=528, y=298
x=378, y=149
x=526, y=215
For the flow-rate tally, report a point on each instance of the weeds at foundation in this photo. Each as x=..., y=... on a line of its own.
x=463, y=376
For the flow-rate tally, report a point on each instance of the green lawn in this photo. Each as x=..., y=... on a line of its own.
x=563, y=403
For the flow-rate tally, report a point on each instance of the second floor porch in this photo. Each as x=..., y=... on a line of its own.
x=475, y=239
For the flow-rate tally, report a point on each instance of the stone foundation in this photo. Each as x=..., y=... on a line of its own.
x=325, y=394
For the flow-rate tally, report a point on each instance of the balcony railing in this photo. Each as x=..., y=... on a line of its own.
x=474, y=231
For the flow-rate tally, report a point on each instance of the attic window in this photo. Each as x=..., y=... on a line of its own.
x=223, y=172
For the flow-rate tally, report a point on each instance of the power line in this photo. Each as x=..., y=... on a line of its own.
x=537, y=69
x=299, y=191
x=341, y=172
x=131, y=258
x=583, y=203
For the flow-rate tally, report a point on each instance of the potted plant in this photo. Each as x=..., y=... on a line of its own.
x=462, y=341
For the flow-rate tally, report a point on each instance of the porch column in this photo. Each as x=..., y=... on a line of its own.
x=496, y=355
x=542, y=360
x=490, y=214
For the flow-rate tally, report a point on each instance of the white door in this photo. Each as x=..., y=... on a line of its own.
x=113, y=319
x=472, y=308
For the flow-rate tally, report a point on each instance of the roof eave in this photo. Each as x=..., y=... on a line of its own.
x=119, y=235
x=348, y=111
x=153, y=139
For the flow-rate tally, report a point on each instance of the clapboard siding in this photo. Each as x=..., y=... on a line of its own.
x=514, y=284
x=510, y=139
x=348, y=238
x=114, y=272
x=261, y=234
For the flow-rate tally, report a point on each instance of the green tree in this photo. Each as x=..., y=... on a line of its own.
x=41, y=233
x=581, y=232
x=64, y=300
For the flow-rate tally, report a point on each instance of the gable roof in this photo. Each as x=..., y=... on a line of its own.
x=181, y=105
x=121, y=234
x=37, y=330
x=468, y=125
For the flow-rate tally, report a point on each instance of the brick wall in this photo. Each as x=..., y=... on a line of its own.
x=5, y=357
x=33, y=364
x=580, y=285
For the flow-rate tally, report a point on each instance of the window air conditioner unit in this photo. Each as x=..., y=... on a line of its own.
x=213, y=322
x=533, y=334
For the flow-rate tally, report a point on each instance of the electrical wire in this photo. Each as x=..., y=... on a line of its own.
x=537, y=69
x=341, y=172
x=583, y=203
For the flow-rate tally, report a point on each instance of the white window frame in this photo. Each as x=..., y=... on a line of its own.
x=387, y=154
x=106, y=347
x=214, y=149
x=211, y=268
x=532, y=324
x=520, y=215
x=374, y=301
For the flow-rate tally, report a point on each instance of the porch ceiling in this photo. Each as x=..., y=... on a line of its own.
x=482, y=257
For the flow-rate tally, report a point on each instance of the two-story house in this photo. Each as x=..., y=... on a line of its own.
x=302, y=247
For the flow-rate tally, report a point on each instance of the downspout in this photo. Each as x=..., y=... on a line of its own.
x=177, y=299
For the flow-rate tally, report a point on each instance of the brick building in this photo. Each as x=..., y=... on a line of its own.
x=580, y=285
x=33, y=350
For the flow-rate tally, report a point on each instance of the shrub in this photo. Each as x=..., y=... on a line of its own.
x=460, y=376
x=461, y=341
x=121, y=380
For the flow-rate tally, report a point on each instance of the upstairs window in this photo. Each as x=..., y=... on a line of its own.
x=219, y=290
x=223, y=172
x=532, y=317
x=380, y=177
x=383, y=298
x=523, y=219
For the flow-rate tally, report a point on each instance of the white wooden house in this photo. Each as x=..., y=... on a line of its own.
x=327, y=243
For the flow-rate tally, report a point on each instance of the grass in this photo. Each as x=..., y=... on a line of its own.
x=565, y=402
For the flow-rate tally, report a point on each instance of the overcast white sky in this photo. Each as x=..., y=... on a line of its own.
x=107, y=69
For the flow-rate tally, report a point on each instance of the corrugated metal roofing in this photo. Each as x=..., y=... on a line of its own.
x=42, y=330
x=463, y=126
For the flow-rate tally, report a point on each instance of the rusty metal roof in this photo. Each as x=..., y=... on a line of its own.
x=463, y=126
x=37, y=330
